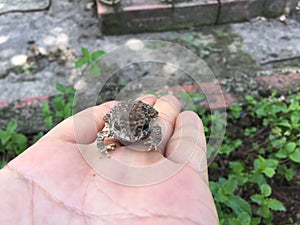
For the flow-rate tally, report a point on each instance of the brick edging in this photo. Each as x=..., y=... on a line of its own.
x=24, y=102
x=277, y=82
x=153, y=15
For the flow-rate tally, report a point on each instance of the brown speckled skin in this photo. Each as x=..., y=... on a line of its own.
x=130, y=121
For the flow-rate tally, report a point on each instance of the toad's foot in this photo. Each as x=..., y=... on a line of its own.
x=155, y=138
x=105, y=148
x=100, y=143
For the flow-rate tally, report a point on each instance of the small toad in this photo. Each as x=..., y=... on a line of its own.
x=130, y=121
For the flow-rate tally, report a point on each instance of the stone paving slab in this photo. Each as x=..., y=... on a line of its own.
x=12, y=5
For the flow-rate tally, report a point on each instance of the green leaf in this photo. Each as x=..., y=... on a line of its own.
x=80, y=63
x=85, y=52
x=58, y=103
x=67, y=111
x=238, y=205
x=278, y=108
x=11, y=126
x=273, y=163
x=281, y=154
x=59, y=114
x=257, y=177
x=274, y=204
x=259, y=163
x=19, y=139
x=264, y=211
x=4, y=136
x=269, y=172
x=284, y=124
x=236, y=143
x=62, y=88
x=294, y=106
x=226, y=149
x=38, y=136
x=49, y=122
x=70, y=91
x=295, y=120
x=295, y=156
x=221, y=197
x=214, y=186
x=234, y=221
x=184, y=95
x=289, y=174
x=277, y=131
x=257, y=198
x=97, y=54
x=2, y=164
x=19, y=143
x=251, y=100
x=260, y=112
x=266, y=122
x=244, y=218
x=235, y=111
x=229, y=186
x=249, y=131
x=240, y=178
x=46, y=109
x=290, y=147
x=265, y=189
x=237, y=167
x=278, y=142
x=255, y=221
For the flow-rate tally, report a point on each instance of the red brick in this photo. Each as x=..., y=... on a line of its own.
x=195, y=13
x=28, y=102
x=279, y=82
x=217, y=97
x=3, y=104
x=273, y=8
x=133, y=16
x=240, y=10
x=153, y=15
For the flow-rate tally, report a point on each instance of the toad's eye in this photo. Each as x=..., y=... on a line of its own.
x=146, y=126
x=117, y=126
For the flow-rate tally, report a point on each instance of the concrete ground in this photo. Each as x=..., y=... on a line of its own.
x=38, y=50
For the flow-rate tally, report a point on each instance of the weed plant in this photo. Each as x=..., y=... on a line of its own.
x=260, y=153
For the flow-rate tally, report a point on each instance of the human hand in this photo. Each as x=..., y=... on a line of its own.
x=51, y=183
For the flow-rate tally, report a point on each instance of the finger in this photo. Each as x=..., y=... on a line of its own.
x=168, y=108
x=188, y=144
x=82, y=128
x=149, y=99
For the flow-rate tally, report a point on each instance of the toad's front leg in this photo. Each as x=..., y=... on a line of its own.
x=154, y=138
x=100, y=143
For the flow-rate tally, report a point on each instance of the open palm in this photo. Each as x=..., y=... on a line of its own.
x=52, y=183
